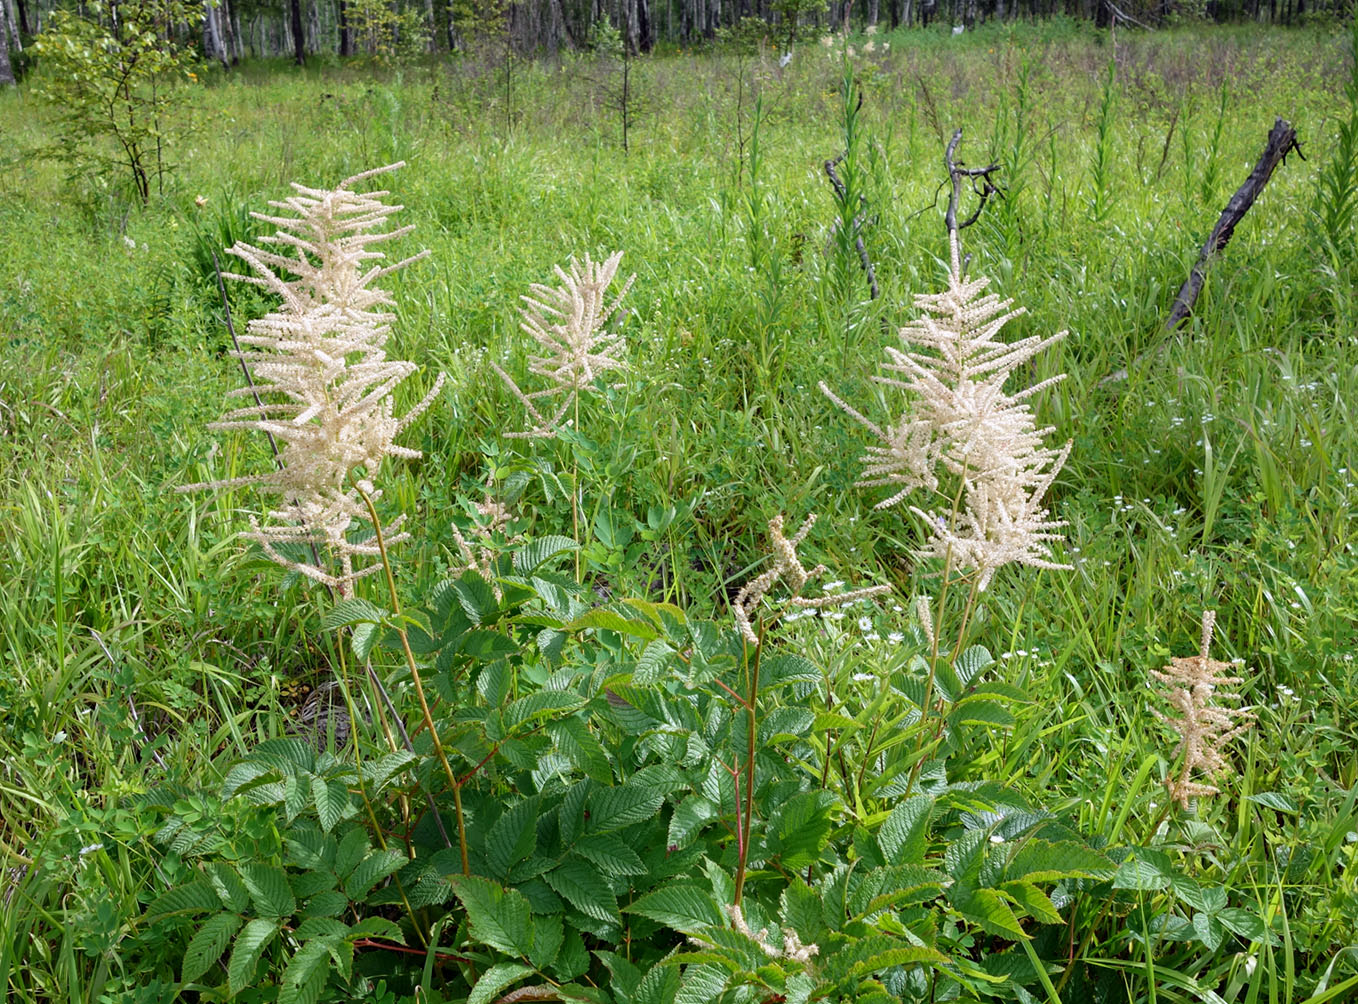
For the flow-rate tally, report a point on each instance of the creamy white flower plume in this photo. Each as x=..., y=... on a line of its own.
x=963, y=436
x=322, y=382
x=787, y=568
x=568, y=322
x=1193, y=686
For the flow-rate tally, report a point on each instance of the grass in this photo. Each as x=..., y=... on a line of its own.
x=1215, y=473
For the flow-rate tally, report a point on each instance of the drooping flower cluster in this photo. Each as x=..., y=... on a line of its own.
x=1191, y=685
x=963, y=436
x=568, y=322
x=322, y=383
x=787, y=568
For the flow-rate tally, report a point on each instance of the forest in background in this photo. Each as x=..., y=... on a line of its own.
x=228, y=31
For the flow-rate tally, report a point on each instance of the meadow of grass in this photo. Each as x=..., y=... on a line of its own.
x=142, y=643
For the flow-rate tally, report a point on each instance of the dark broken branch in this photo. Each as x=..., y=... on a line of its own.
x=857, y=226
x=979, y=180
x=1282, y=140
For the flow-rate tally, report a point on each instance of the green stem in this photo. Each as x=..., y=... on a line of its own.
x=415, y=677
x=751, y=737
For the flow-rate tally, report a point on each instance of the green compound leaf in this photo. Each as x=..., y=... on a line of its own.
x=653, y=664
x=246, y=952
x=500, y=918
x=269, y=889
x=208, y=945
x=306, y=974
x=581, y=885
x=536, y=553
x=194, y=897
x=352, y=611
x=689, y=817
x=574, y=738
x=683, y=906
x=371, y=870
x=495, y=979
x=331, y=801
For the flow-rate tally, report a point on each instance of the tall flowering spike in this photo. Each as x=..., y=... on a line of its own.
x=1191, y=686
x=963, y=437
x=322, y=381
x=786, y=567
x=568, y=322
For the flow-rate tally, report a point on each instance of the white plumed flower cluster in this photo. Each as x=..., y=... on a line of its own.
x=323, y=384
x=568, y=322
x=963, y=437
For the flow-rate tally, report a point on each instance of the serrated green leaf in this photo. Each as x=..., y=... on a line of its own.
x=536, y=553
x=308, y=884
x=378, y=773
x=269, y=889
x=1140, y=876
x=972, y=663
x=574, y=738
x=486, y=645
x=306, y=974
x=352, y=849
x=250, y=944
x=683, y=906
x=1046, y=861
x=688, y=820
x=1274, y=800
x=354, y=610
x=542, y=704
x=331, y=800
x=906, y=955
x=653, y=665
x=227, y=885
x=609, y=854
x=904, y=835
x=800, y=828
x=701, y=984
x=476, y=597
x=988, y=910
x=609, y=620
x=327, y=903
x=659, y=985
x=548, y=937
x=1034, y=900
x=512, y=837
x=371, y=870
x=783, y=669
x=495, y=979
x=208, y=944
x=614, y=808
x=974, y=711
x=782, y=724
x=499, y=917
x=584, y=888
x=363, y=639
x=377, y=927
x=320, y=927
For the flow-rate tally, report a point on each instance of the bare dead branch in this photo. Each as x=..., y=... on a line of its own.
x=858, y=220
x=1282, y=140
x=978, y=178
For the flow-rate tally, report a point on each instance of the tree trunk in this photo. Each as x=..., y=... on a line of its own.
x=346, y=35
x=298, y=34
x=213, y=47
x=6, y=71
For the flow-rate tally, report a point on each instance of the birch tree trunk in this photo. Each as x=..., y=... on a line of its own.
x=6, y=71
x=213, y=47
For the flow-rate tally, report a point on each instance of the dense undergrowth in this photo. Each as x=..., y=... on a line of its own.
x=1014, y=842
